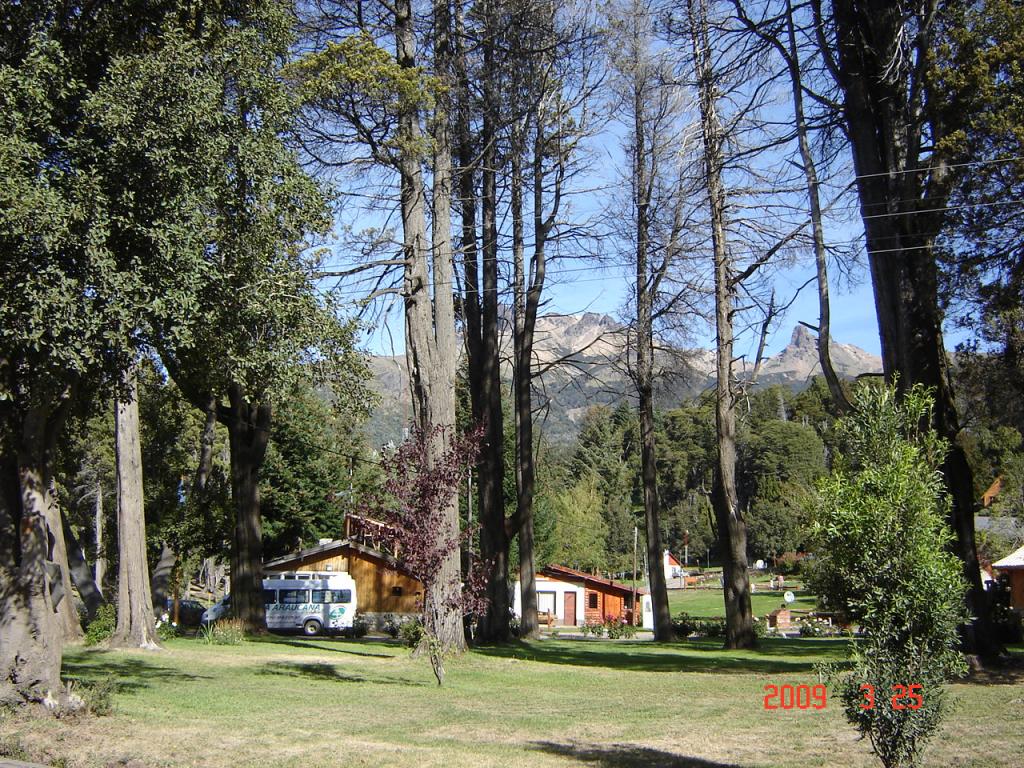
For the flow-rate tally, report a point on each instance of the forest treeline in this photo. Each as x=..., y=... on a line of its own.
x=205, y=203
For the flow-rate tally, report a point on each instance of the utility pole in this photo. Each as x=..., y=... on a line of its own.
x=635, y=534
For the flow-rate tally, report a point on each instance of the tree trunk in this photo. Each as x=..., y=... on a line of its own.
x=101, y=557
x=30, y=638
x=525, y=309
x=248, y=425
x=732, y=529
x=135, y=627
x=430, y=345
x=643, y=178
x=162, y=578
x=67, y=612
x=449, y=625
x=81, y=574
x=902, y=205
x=494, y=536
x=791, y=55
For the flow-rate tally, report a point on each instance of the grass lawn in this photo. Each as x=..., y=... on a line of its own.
x=288, y=701
x=706, y=603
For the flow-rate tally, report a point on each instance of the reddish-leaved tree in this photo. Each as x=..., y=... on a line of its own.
x=419, y=487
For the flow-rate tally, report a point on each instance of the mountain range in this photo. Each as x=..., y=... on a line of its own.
x=582, y=362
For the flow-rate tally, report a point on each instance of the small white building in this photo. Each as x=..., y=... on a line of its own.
x=673, y=568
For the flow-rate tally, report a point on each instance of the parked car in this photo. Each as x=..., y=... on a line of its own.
x=190, y=612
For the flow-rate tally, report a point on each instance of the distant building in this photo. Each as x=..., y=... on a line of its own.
x=673, y=568
x=1012, y=566
x=573, y=598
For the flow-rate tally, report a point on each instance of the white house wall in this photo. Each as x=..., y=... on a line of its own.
x=558, y=589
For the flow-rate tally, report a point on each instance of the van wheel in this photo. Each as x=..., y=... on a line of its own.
x=311, y=628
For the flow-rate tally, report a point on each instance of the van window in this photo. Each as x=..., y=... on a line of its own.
x=269, y=596
x=293, y=596
x=332, y=595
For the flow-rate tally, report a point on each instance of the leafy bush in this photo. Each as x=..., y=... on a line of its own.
x=884, y=563
x=412, y=632
x=683, y=624
x=711, y=627
x=789, y=564
x=165, y=628
x=391, y=625
x=593, y=628
x=617, y=629
x=360, y=627
x=761, y=628
x=102, y=627
x=223, y=632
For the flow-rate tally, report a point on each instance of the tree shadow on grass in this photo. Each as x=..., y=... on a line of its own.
x=624, y=756
x=131, y=673
x=772, y=657
x=319, y=670
x=334, y=645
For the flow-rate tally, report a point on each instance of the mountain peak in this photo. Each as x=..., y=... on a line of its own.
x=803, y=338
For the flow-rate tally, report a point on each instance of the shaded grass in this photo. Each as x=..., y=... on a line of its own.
x=773, y=656
x=548, y=704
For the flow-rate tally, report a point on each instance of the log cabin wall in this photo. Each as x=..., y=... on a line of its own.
x=379, y=588
x=608, y=606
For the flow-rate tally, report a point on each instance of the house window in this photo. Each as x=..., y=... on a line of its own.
x=592, y=600
x=396, y=591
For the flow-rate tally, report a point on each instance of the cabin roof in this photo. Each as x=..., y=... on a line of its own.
x=599, y=583
x=289, y=562
x=1012, y=561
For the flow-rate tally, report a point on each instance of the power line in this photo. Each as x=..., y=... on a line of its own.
x=971, y=164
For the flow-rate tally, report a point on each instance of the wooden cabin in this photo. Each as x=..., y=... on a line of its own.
x=1012, y=566
x=382, y=585
x=567, y=597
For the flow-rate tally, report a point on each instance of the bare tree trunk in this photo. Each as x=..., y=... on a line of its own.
x=135, y=627
x=430, y=341
x=494, y=536
x=732, y=529
x=525, y=309
x=792, y=57
x=248, y=425
x=449, y=625
x=81, y=574
x=643, y=179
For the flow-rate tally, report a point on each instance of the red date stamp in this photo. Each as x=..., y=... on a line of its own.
x=816, y=696
x=798, y=696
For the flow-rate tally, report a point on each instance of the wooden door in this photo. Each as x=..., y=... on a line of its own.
x=570, y=609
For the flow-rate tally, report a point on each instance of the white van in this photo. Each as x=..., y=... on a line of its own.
x=311, y=601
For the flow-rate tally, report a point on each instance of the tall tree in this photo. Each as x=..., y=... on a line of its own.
x=77, y=291
x=903, y=135
x=653, y=104
x=731, y=526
